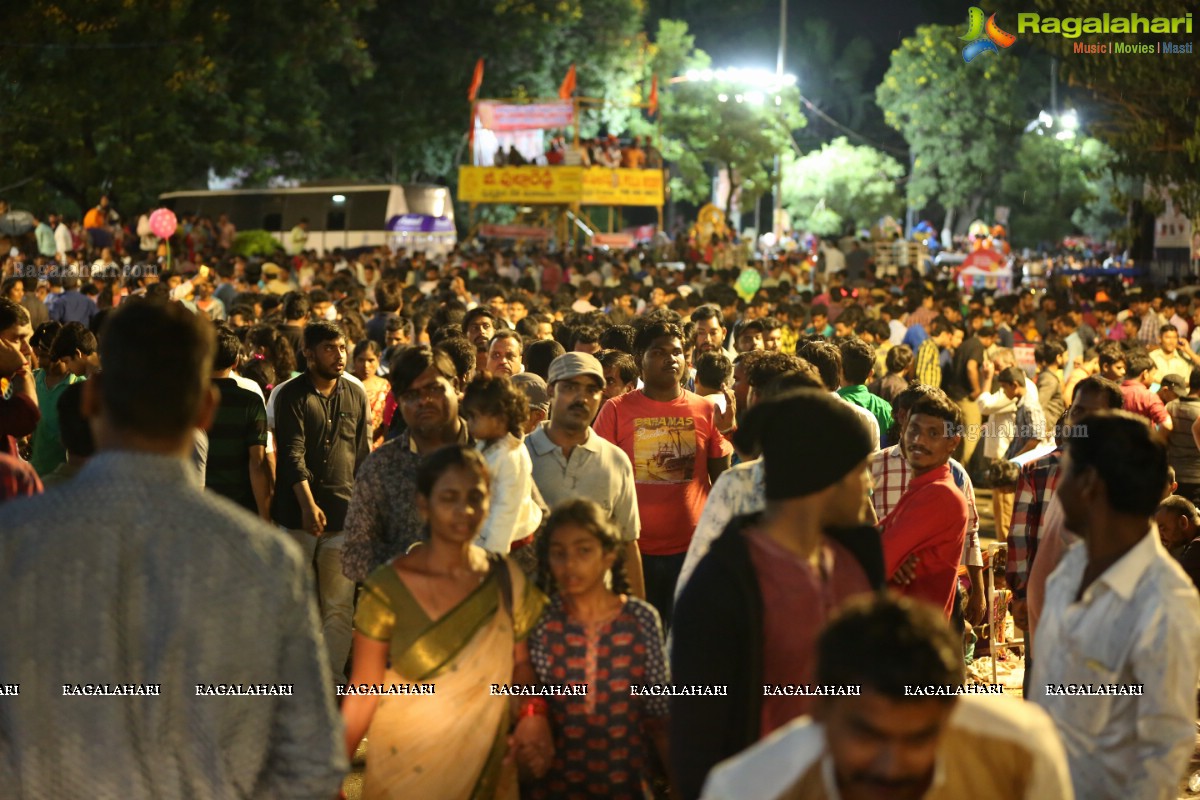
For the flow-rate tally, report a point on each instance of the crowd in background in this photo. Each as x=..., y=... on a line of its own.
x=524, y=468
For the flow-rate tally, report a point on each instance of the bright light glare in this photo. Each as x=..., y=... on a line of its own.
x=1045, y=118
x=1062, y=136
x=1069, y=119
x=339, y=198
x=778, y=100
x=724, y=98
x=763, y=79
x=739, y=98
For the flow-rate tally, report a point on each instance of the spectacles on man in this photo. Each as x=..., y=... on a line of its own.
x=433, y=391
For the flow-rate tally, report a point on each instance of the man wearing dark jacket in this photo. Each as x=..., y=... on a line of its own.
x=324, y=434
x=748, y=619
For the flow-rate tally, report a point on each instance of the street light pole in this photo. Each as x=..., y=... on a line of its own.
x=777, y=203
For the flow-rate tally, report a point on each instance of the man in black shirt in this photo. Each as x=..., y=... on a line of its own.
x=323, y=427
x=236, y=466
x=966, y=384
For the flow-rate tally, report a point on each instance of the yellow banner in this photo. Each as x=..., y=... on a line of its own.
x=622, y=187
x=595, y=186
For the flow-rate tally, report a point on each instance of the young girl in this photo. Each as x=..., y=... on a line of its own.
x=496, y=412
x=446, y=620
x=596, y=635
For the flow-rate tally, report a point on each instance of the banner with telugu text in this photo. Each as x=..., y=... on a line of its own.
x=596, y=186
x=524, y=117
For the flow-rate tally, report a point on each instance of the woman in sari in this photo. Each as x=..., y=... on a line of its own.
x=442, y=623
x=366, y=367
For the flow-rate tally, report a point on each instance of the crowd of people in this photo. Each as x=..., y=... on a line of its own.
x=601, y=151
x=561, y=525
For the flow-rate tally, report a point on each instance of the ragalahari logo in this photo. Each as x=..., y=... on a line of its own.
x=984, y=38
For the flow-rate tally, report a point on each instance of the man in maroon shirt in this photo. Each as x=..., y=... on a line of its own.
x=930, y=521
x=1136, y=388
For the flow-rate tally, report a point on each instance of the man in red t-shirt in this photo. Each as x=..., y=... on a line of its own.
x=930, y=521
x=675, y=440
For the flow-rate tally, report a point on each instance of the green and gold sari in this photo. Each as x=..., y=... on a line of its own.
x=450, y=744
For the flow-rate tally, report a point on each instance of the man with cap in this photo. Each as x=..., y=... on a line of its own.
x=929, y=523
x=536, y=394
x=748, y=335
x=675, y=441
x=750, y=615
x=570, y=460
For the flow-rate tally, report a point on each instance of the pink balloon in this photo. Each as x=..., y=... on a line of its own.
x=163, y=223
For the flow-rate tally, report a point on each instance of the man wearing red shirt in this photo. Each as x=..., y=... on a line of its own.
x=674, y=440
x=1136, y=388
x=930, y=521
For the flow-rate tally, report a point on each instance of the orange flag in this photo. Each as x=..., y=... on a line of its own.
x=654, y=95
x=568, y=85
x=476, y=80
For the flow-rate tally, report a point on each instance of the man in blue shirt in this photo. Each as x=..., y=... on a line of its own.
x=72, y=306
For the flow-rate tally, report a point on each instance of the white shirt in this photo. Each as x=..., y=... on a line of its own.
x=738, y=490
x=63, y=241
x=1020, y=741
x=1001, y=415
x=1137, y=623
x=513, y=514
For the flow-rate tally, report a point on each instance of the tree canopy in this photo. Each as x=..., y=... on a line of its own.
x=960, y=120
x=131, y=98
x=1144, y=107
x=839, y=187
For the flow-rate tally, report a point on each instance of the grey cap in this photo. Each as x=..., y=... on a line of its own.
x=572, y=365
x=534, y=388
x=1175, y=383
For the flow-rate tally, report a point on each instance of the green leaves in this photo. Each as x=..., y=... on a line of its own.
x=960, y=120
x=840, y=187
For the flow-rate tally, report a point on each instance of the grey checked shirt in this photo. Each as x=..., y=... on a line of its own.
x=131, y=574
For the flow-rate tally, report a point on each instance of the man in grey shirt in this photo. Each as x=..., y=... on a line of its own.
x=159, y=642
x=570, y=460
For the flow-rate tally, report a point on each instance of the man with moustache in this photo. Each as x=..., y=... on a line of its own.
x=382, y=521
x=570, y=460
x=892, y=738
x=930, y=520
x=323, y=430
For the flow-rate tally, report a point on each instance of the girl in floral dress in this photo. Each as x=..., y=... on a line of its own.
x=593, y=633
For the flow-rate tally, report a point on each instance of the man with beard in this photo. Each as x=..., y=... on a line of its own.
x=323, y=427
x=570, y=460
x=892, y=737
x=675, y=440
x=1121, y=623
x=709, y=332
x=479, y=325
x=382, y=521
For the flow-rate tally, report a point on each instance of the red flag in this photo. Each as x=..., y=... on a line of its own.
x=568, y=85
x=654, y=95
x=476, y=80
